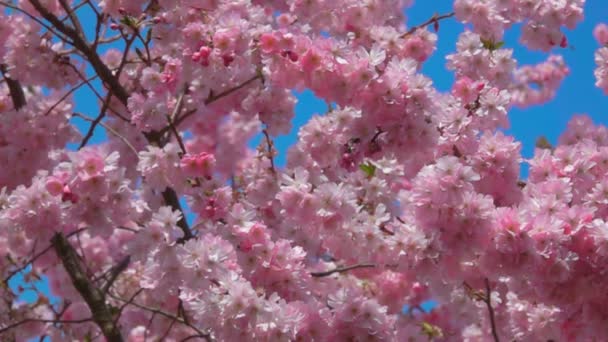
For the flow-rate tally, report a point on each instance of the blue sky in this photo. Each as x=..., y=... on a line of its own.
x=578, y=93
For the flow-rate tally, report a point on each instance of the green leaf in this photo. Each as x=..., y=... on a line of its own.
x=431, y=330
x=543, y=143
x=491, y=45
x=369, y=169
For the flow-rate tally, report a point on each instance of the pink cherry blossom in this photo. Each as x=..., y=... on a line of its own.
x=174, y=228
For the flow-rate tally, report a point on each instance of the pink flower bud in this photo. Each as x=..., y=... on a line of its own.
x=68, y=195
x=290, y=54
x=601, y=34
x=269, y=42
x=310, y=61
x=227, y=59
x=54, y=186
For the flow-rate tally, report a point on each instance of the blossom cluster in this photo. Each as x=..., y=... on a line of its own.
x=174, y=229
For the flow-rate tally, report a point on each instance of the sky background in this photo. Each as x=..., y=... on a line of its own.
x=577, y=94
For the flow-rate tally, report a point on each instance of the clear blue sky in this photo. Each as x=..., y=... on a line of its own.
x=577, y=94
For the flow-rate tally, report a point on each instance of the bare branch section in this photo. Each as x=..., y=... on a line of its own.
x=341, y=270
x=109, y=129
x=79, y=43
x=15, y=89
x=486, y=297
x=96, y=122
x=488, y=301
x=434, y=20
x=270, y=151
x=93, y=296
x=170, y=197
x=36, y=320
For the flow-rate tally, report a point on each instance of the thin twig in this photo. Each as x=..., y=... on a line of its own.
x=115, y=272
x=70, y=92
x=206, y=336
x=270, y=150
x=124, y=305
x=93, y=58
x=178, y=108
x=36, y=320
x=341, y=270
x=108, y=128
x=38, y=255
x=212, y=97
x=102, y=114
x=40, y=22
x=434, y=19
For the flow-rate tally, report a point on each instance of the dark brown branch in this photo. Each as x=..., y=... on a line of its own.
x=110, y=129
x=176, y=111
x=341, y=270
x=79, y=43
x=72, y=15
x=126, y=303
x=40, y=22
x=171, y=199
x=488, y=301
x=115, y=272
x=35, y=257
x=102, y=114
x=14, y=88
x=96, y=93
x=434, y=19
x=270, y=151
x=213, y=98
x=485, y=297
x=93, y=296
x=70, y=92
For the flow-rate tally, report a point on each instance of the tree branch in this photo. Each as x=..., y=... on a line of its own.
x=93, y=296
x=270, y=151
x=176, y=111
x=35, y=257
x=15, y=89
x=79, y=43
x=171, y=199
x=434, y=19
x=204, y=335
x=485, y=297
x=102, y=114
x=36, y=320
x=212, y=97
x=115, y=272
x=488, y=301
x=341, y=270
x=110, y=129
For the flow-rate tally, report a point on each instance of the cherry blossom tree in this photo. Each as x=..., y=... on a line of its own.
x=400, y=194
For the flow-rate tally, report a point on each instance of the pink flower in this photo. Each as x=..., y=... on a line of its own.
x=91, y=166
x=54, y=186
x=198, y=165
x=269, y=42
